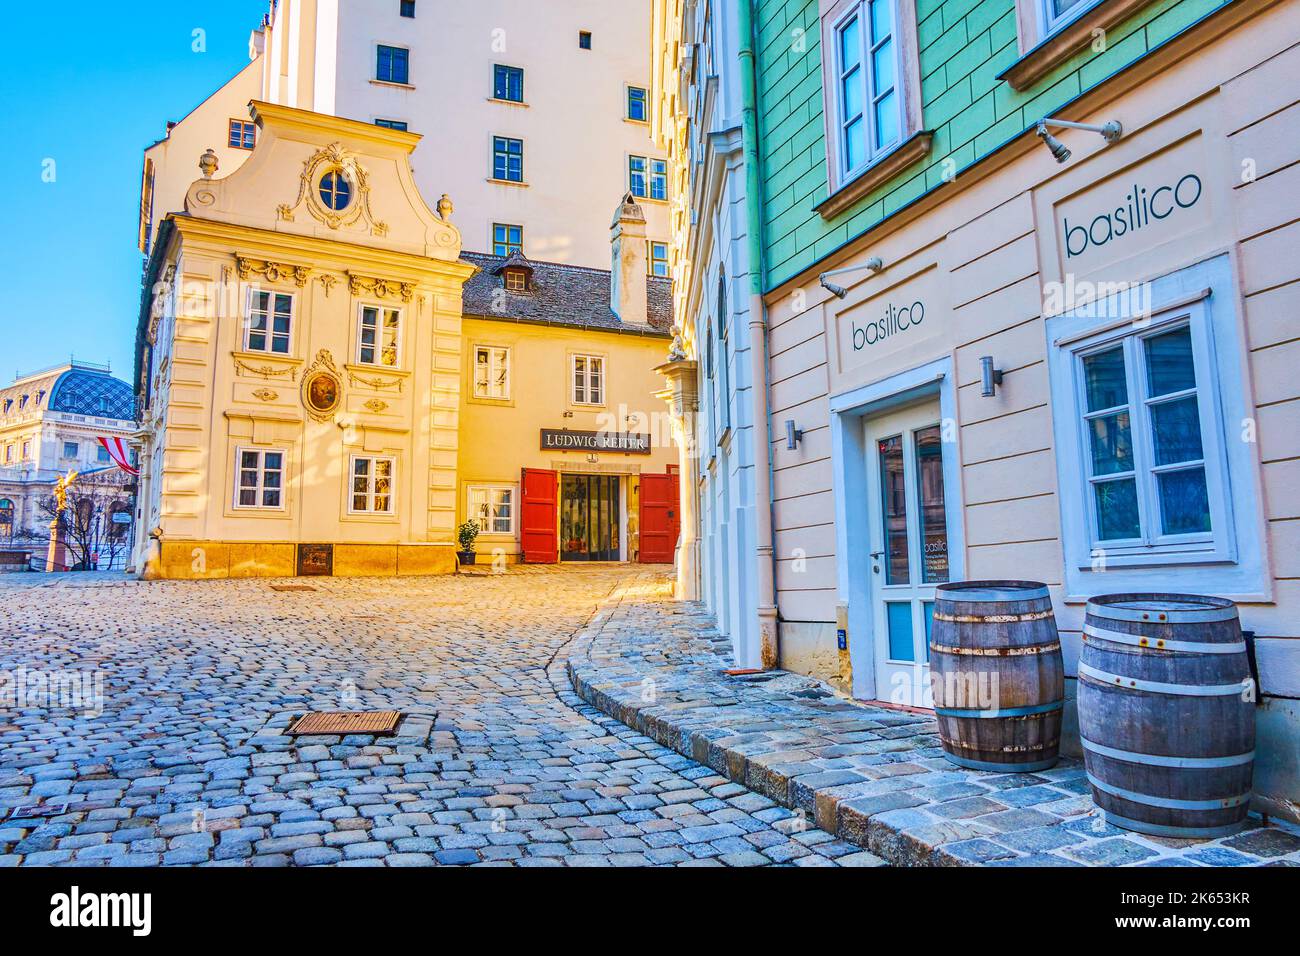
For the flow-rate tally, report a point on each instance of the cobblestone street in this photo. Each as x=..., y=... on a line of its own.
x=186, y=765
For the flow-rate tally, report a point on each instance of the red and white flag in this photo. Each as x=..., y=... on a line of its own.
x=117, y=450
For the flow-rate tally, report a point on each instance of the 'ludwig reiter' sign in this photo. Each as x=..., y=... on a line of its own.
x=558, y=439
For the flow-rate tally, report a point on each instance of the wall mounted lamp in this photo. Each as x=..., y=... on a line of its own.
x=1110, y=132
x=875, y=264
x=990, y=377
x=792, y=435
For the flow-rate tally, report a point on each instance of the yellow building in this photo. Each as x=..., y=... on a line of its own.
x=312, y=402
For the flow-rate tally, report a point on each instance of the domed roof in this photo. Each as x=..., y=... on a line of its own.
x=74, y=388
x=81, y=391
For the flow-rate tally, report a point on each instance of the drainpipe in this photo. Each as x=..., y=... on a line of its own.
x=766, y=564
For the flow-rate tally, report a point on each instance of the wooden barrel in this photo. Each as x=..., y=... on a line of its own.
x=997, y=675
x=1167, y=713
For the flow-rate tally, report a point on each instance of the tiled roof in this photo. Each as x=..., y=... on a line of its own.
x=74, y=389
x=83, y=392
x=559, y=295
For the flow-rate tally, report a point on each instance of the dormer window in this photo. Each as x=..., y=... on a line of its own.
x=516, y=272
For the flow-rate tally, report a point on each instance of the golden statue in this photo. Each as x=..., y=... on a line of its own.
x=61, y=490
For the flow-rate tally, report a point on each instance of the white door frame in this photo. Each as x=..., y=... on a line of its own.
x=852, y=513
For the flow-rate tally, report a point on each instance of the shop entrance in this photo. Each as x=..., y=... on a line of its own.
x=589, y=518
x=908, y=533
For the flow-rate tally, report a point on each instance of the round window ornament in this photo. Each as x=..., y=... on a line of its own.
x=335, y=190
x=322, y=389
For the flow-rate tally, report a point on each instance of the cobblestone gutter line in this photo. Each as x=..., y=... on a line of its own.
x=873, y=777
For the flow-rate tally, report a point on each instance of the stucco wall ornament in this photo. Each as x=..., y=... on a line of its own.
x=322, y=389
x=374, y=381
x=334, y=158
x=265, y=371
x=376, y=406
x=266, y=394
x=272, y=271
x=327, y=279
x=380, y=288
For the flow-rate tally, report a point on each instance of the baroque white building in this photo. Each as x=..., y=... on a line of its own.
x=547, y=103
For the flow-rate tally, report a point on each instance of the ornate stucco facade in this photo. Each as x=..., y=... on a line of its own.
x=328, y=386
x=264, y=248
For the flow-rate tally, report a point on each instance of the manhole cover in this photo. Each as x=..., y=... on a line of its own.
x=292, y=587
x=343, y=722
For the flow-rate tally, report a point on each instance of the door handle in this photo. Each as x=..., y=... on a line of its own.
x=876, y=554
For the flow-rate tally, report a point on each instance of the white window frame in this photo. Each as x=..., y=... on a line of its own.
x=1131, y=339
x=1227, y=560
x=590, y=396
x=76, y=449
x=380, y=309
x=644, y=173
x=1048, y=20
x=270, y=316
x=260, y=488
x=494, y=365
x=866, y=67
x=369, y=493
x=491, y=488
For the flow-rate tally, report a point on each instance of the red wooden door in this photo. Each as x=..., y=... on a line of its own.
x=538, y=515
x=660, y=518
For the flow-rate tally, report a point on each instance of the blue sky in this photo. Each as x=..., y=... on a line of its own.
x=90, y=85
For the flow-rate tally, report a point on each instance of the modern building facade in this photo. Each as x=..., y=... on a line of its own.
x=330, y=388
x=1001, y=353
x=548, y=102
x=50, y=424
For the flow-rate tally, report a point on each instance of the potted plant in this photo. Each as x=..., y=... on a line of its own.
x=466, y=534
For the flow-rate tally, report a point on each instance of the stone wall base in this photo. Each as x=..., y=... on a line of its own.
x=202, y=560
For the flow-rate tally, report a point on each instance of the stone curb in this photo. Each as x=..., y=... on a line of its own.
x=903, y=801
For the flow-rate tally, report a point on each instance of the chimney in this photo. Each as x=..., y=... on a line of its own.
x=627, y=268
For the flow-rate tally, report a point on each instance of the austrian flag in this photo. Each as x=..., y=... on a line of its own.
x=117, y=450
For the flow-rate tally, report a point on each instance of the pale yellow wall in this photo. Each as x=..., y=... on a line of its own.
x=498, y=438
x=174, y=160
x=211, y=397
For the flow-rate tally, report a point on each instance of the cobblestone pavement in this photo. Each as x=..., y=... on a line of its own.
x=499, y=762
x=876, y=778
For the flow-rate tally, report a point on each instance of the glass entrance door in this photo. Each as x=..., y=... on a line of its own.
x=589, y=518
x=908, y=535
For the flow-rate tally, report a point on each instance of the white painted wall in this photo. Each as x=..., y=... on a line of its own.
x=576, y=139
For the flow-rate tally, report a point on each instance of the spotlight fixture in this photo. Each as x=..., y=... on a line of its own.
x=875, y=264
x=793, y=435
x=1110, y=132
x=990, y=377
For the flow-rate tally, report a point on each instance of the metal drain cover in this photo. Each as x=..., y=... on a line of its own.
x=343, y=722
x=292, y=587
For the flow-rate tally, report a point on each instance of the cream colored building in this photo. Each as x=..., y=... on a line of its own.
x=302, y=361
x=314, y=403
x=570, y=121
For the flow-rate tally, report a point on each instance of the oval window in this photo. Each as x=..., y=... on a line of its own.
x=335, y=192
